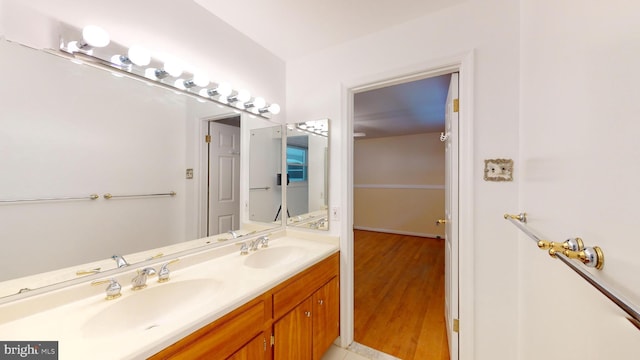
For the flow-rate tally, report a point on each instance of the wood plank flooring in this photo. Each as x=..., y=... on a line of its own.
x=399, y=295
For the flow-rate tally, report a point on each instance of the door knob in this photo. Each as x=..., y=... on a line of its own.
x=440, y=221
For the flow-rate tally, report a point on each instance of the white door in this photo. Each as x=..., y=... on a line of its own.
x=224, y=178
x=451, y=213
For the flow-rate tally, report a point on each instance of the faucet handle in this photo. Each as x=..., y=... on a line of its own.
x=156, y=256
x=163, y=273
x=88, y=272
x=140, y=281
x=264, y=241
x=112, y=290
x=244, y=248
x=120, y=261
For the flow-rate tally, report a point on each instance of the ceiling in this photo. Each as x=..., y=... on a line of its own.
x=294, y=28
x=410, y=108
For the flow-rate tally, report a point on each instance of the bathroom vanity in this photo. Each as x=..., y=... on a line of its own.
x=298, y=319
x=277, y=302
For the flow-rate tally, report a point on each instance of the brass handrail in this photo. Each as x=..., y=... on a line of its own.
x=110, y=196
x=90, y=197
x=622, y=302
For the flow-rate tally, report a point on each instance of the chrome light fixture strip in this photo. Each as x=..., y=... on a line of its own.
x=114, y=68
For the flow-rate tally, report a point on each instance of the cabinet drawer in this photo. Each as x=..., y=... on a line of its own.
x=292, y=292
x=221, y=338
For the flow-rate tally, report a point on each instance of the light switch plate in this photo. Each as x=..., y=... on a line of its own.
x=498, y=170
x=189, y=174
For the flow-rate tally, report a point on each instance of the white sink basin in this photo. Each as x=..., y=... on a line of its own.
x=275, y=256
x=152, y=307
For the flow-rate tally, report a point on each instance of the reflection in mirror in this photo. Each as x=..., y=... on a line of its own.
x=265, y=189
x=76, y=133
x=307, y=157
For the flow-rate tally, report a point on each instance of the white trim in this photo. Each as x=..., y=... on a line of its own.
x=466, y=210
x=398, y=232
x=399, y=186
x=463, y=63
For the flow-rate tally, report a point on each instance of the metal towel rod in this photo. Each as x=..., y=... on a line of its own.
x=110, y=196
x=260, y=188
x=90, y=197
x=623, y=303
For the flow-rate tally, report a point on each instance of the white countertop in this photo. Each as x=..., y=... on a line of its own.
x=203, y=287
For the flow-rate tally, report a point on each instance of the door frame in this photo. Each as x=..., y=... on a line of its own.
x=463, y=64
x=203, y=179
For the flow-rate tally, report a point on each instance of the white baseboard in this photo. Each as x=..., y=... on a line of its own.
x=399, y=232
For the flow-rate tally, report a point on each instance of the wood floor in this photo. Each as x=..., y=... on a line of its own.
x=399, y=295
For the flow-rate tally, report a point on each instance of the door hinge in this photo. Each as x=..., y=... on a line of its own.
x=273, y=340
x=456, y=325
x=207, y=139
x=456, y=105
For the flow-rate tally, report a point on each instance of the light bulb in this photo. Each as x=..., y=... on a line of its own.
x=95, y=36
x=243, y=95
x=72, y=46
x=180, y=84
x=200, y=79
x=139, y=55
x=150, y=73
x=274, y=109
x=204, y=92
x=259, y=102
x=173, y=68
x=224, y=89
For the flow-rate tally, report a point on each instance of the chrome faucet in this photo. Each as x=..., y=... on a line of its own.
x=244, y=248
x=163, y=272
x=140, y=281
x=112, y=290
x=263, y=241
x=234, y=234
x=120, y=261
x=318, y=224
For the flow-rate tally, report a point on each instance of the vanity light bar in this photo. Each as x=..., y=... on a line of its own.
x=319, y=127
x=138, y=64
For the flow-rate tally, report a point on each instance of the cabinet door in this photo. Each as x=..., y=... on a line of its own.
x=256, y=349
x=326, y=317
x=293, y=334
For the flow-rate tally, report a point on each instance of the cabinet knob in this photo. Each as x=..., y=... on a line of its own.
x=307, y=313
x=321, y=302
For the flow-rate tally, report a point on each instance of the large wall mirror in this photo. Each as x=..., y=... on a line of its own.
x=307, y=163
x=72, y=131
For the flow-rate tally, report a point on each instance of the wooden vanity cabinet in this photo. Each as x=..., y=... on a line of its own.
x=298, y=319
x=307, y=313
x=236, y=335
x=326, y=317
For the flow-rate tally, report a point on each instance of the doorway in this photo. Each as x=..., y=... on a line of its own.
x=222, y=143
x=399, y=207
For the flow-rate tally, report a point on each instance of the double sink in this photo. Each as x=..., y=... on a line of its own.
x=145, y=321
x=156, y=306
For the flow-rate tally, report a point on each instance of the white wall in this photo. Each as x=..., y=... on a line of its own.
x=579, y=170
x=491, y=29
x=399, y=184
